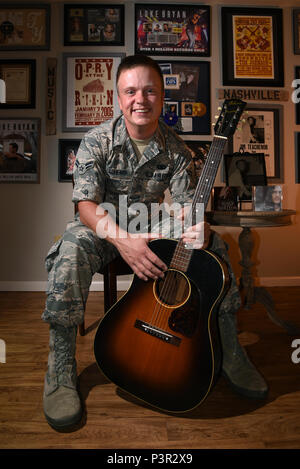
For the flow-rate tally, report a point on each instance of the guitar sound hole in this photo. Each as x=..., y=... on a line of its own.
x=173, y=290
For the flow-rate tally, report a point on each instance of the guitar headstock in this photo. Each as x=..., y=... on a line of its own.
x=229, y=117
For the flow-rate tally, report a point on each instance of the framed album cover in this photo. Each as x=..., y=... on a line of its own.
x=252, y=46
x=93, y=24
x=172, y=29
x=19, y=79
x=89, y=91
x=20, y=150
x=24, y=27
x=296, y=30
x=187, y=96
x=262, y=132
x=199, y=150
x=67, y=150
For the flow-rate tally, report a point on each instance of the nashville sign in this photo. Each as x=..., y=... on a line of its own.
x=253, y=94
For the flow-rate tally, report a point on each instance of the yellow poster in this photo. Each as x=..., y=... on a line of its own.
x=253, y=47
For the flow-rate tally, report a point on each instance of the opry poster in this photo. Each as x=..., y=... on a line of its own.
x=91, y=96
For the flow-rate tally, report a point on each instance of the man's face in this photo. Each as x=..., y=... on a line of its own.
x=140, y=99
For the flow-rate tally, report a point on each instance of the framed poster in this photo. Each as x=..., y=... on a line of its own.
x=262, y=132
x=93, y=25
x=19, y=78
x=296, y=30
x=187, y=96
x=297, y=157
x=20, y=150
x=296, y=96
x=24, y=26
x=252, y=46
x=89, y=91
x=67, y=150
x=172, y=29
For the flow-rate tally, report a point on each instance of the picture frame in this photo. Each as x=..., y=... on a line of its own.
x=89, y=91
x=252, y=46
x=94, y=24
x=20, y=80
x=24, y=27
x=225, y=198
x=245, y=170
x=297, y=157
x=20, y=141
x=261, y=131
x=187, y=89
x=67, y=150
x=199, y=150
x=172, y=29
x=267, y=198
x=297, y=105
x=296, y=30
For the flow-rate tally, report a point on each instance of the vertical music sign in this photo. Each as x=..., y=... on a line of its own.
x=51, y=96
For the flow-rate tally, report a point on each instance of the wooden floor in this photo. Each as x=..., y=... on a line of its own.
x=112, y=420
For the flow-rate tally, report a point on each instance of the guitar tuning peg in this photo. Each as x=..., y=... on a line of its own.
x=213, y=124
x=219, y=108
x=216, y=117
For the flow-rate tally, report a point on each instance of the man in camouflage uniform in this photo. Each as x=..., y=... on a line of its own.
x=131, y=159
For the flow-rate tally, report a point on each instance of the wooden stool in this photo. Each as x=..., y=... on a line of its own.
x=116, y=267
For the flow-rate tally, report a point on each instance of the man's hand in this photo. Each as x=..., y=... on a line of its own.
x=196, y=236
x=135, y=251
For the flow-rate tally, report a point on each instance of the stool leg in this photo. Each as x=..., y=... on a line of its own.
x=81, y=329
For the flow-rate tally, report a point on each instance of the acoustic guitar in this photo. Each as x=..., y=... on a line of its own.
x=160, y=341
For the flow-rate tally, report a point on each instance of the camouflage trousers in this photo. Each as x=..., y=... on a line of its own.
x=80, y=253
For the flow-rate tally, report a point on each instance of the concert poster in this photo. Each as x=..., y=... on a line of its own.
x=187, y=96
x=90, y=92
x=19, y=150
x=253, y=47
x=172, y=29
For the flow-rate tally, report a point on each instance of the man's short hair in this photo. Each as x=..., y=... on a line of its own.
x=133, y=61
x=14, y=145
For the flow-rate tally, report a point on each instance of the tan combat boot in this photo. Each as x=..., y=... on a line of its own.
x=62, y=406
x=238, y=370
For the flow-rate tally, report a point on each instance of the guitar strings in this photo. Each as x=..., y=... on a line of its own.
x=169, y=284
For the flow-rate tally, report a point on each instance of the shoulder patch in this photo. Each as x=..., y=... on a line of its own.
x=84, y=167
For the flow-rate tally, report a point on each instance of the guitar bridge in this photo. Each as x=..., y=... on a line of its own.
x=156, y=332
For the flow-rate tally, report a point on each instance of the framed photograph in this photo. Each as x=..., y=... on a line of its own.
x=199, y=151
x=20, y=150
x=296, y=30
x=297, y=105
x=19, y=78
x=297, y=157
x=267, y=198
x=24, y=27
x=225, y=198
x=171, y=29
x=93, y=25
x=252, y=46
x=89, y=91
x=187, y=96
x=67, y=150
x=244, y=170
x=262, y=132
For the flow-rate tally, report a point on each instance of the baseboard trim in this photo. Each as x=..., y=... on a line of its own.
x=97, y=285
x=124, y=284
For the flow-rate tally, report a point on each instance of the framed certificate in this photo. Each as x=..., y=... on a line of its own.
x=19, y=79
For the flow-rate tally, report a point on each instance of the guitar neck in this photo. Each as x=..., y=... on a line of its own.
x=182, y=255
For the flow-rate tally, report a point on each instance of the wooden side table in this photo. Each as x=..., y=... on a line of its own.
x=246, y=220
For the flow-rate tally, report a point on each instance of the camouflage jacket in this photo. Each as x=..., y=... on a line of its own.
x=107, y=167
